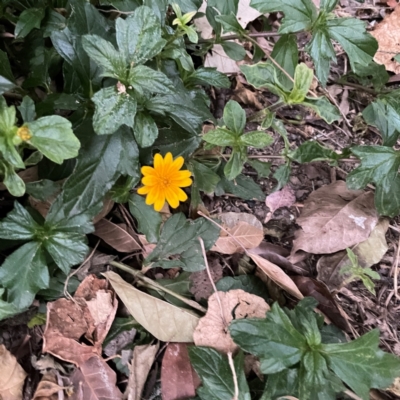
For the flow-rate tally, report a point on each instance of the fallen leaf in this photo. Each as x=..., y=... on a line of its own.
x=95, y=380
x=164, y=321
x=12, y=376
x=334, y=218
x=178, y=378
x=245, y=228
x=387, y=33
x=327, y=304
x=46, y=362
x=143, y=358
x=276, y=274
x=281, y=198
x=201, y=286
x=48, y=388
x=117, y=237
x=108, y=204
x=369, y=252
x=119, y=342
x=245, y=95
x=223, y=307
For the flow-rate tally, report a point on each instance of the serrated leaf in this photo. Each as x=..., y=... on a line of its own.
x=220, y=137
x=144, y=79
x=234, y=166
x=145, y=129
x=303, y=77
x=310, y=151
x=256, y=139
x=24, y=273
x=164, y=321
x=54, y=137
x=149, y=221
x=113, y=110
x=208, y=76
x=205, y=179
x=321, y=105
x=139, y=36
x=27, y=109
x=234, y=117
x=234, y=50
x=299, y=14
x=28, y=20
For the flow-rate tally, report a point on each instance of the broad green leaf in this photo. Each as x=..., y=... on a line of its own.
x=149, y=221
x=273, y=339
x=208, y=76
x=220, y=137
x=24, y=273
x=145, y=129
x=7, y=309
x=5, y=67
x=234, y=166
x=299, y=14
x=310, y=151
x=248, y=283
x=282, y=175
x=263, y=168
x=282, y=384
x=7, y=117
x=121, y=190
x=188, y=5
x=286, y=54
x=211, y=13
x=303, y=77
x=179, y=236
x=12, y=180
x=328, y=5
x=139, y=36
x=205, y=179
x=230, y=23
x=256, y=139
x=104, y=54
x=122, y=5
x=361, y=364
x=359, y=45
x=262, y=75
x=28, y=20
x=216, y=375
x=53, y=21
x=54, y=137
x=129, y=157
x=321, y=105
x=191, y=33
x=234, y=50
x=164, y=321
x=234, y=117
x=144, y=79
x=372, y=73
x=43, y=189
x=27, y=109
x=113, y=109
x=387, y=199
x=225, y=7
x=159, y=8
x=18, y=224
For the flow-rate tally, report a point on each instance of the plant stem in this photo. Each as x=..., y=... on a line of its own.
x=235, y=36
x=356, y=86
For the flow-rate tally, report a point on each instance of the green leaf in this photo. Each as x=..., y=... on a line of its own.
x=273, y=339
x=310, y=151
x=216, y=375
x=12, y=181
x=321, y=105
x=256, y=139
x=359, y=45
x=234, y=166
x=234, y=117
x=5, y=67
x=208, y=76
x=230, y=23
x=113, y=110
x=179, y=236
x=262, y=75
x=361, y=364
x=7, y=309
x=303, y=77
x=248, y=283
x=191, y=33
x=282, y=384
x=54, y=137
x=282, y=175
x=28, y=20
x=5, y=85
x=300, y=15
x=328, y=5
x=104, y=54
x=53, y=21
x=205, y=179
x=149, y=221
x=139, y=36
x=234, y=50
x=225, y=7
x=24, y=273
x=220, y=137
x=122, y=5
x=211, y=13
x=372, y=73
x=145, y=129
x=43, y=189
x=144, y=79
x=263, y=168
x=27, y=109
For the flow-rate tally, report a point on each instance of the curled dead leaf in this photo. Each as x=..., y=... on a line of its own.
x=281, y=198
x=48, y=388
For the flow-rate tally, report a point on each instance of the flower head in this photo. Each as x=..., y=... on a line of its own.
x=24, y=133
x=164, y=181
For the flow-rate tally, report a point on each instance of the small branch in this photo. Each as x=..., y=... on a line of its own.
x=235, y=36
x=235, y=380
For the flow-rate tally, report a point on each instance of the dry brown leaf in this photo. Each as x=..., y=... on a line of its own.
x=178, y=378
x=212, y=330
x=245, y=228
x=387, y=33
x=201, y=286
x=143, y=358
x=117, y=237
x=276, y=274
x=48, y=388
x=108, y=204
x=95, y=380
x=246, y=96
x=369, y=252
x=12, y=376
x=334, y=218
x=282, y=198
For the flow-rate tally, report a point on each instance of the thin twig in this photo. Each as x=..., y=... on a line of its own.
x=235, y=36
x=396, y=271
x=235, y=380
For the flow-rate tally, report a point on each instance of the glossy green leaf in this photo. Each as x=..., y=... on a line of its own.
x=263, y=168
x=310, y=151
x=205, y=179
x=54, y=137
x=220, y=137
x=129, y=157
x=234, y=117
x=282, y=384
x=53, y=21
x=113, y=109
x=144, y=79
x=372, y=73
x=328, y=5
x=248, y=283
x=230, y=23
x=28, y=20
x=149, y=221
x=282, y=175
x=208, y=76
x=7, y=309
x=27, y=109
x=322, y=106
x=257, y=139
x=5, y=67
x=234, y=50
x=145, y=129
x=303, y=77
x=234, y=166
x=11, y=179
x=122, y=5
x=225, y=7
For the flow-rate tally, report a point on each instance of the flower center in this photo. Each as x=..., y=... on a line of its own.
x=165, y=182
x=24, y=133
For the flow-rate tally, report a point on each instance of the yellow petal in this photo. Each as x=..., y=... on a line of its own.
x=178, y=162
x=182, y=196
x=183, y=174
x=148, y=170
x=182, y=182
x=150, y=180
x=172, y=197
x=168, y=160
x=158, y=162
x=152, y=196
x=144, y=190
x=159, y=204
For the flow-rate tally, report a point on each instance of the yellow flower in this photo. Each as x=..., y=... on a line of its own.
x=24, y=133
x=164, y=182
